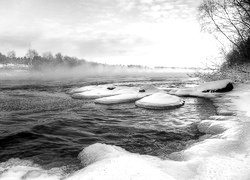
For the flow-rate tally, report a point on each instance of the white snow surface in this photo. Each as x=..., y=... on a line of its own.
x=94, y=92
x=129, y=97
x=87, y=88
x=241, y=98
x=198, y=90
x=121, y=98
x=105, y=92
x=160, y=100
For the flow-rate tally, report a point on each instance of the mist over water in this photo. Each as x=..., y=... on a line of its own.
x=85, y=71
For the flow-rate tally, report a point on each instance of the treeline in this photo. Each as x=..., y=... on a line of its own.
x=47, y=60
x=36, y=61
x=229, y=19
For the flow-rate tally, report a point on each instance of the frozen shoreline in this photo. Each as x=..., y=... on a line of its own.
x=240, y=99
x=225, y=152
x=222, y=153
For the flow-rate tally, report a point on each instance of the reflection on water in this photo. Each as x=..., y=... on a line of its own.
x=41, y=122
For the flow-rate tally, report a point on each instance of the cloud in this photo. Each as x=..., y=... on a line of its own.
x=97, y=28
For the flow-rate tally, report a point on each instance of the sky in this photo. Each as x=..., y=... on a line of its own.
x=142, y=32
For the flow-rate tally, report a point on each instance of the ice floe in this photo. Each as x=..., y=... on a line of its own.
x=86, y=88
x=104, y=91
x=121, y=98
x=129, y=97
x=160, y=101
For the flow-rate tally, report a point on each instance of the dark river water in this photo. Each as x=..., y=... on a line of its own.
x=40, y=121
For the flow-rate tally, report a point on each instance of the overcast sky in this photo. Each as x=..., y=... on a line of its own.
x=145, y=32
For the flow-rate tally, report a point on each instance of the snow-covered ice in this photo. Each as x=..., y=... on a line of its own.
x=160, y=101
x=121, y=98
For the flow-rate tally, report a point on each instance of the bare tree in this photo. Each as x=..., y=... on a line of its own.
x=31, y=54
x=48, y=55
x=230, y=18
x=11, y=54
x=59, y=58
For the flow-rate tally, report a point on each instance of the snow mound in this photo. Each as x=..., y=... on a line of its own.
x=206, y=89
x=225, y=154
x=160, y=101
x=106, y=162
x=121, y=98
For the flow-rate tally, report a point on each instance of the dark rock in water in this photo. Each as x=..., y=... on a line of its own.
x=142, y=90
x=111, y=88
x=229, y=87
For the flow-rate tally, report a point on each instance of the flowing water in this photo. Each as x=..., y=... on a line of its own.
x=41, y=122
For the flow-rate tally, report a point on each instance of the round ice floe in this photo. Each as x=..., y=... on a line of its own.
x=160, y=101
x=121, y=98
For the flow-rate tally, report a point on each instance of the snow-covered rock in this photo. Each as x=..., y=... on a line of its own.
x=202, y=90
x=160, y=101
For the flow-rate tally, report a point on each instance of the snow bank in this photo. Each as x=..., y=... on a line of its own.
x=224, y=154
x=16, y=169
x=240, y=99
x=107, y=162
x=206, y=89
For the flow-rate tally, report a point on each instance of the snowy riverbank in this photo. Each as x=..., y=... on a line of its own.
x=225, y=151
x=240, y=100
x=222, y=153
